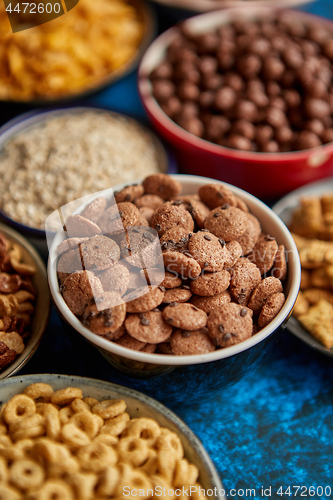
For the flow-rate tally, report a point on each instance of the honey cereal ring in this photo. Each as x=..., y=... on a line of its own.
x=28, y=425
x=52, y=421
x=144, y=428
x=109, y=408
x=83, y=484
x=65, y=414
x=74, y=437
x=9, y=493
x=131, y=478
x=90, y=401
x=148, y=327
x=46, y=449
x=115, y=426
x=54, y=489
x=169, y=450
x=133, y=450
x=96, y=456
x=106, y=439
x=150, y=466
x=25, y=446
x=78, y=405
x=39, y=391
x=216, y=195
x=17, y=408
x=108, y=481
x=26, y=474
x=87, y=422
x=185, y=473
x=161, y=185
x=65, y=396
x=3, y=471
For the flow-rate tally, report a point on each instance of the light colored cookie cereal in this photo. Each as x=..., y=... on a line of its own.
x=94, y=451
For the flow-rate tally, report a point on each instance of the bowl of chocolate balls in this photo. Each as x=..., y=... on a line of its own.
x=181, y=282
x=245, y=96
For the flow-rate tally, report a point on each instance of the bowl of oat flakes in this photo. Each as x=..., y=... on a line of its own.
x=50, y=158
x=198, y=294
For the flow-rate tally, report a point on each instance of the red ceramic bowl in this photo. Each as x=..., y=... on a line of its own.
x=262, y=174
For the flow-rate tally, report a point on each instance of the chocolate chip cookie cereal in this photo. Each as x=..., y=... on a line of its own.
x=222, y=280
x=61, y=445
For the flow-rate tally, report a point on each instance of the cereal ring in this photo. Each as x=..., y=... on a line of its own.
x=39, y=391
x=168, y=215
x=18, y=408
x=207, y=250
x=148, y=327
x=54, y=489
x=52, y=421
x=65, y=396
x=90, y=401
x=106, y=439
x=185, y=473
x=169, y=450
x=185, y=316
x=129, y=193
x=230, y=324
x=271, y=308
x=161, y=185
x=94, y=209
x=115, y=426
x=177, y=295
x=74, y=437
x=133, y=450
x=33, y=426
x=65, y=414
x=26, y=474
x=146, y=214
x=264, y=252
x=99, y=253
x=226, y=222
x=78, y=290
x=107, y=316
x=108, y=481
x=184, y=342
x=3, y=470
x=182, y=263
x=78, y=405
x=171, y=280
x=216, y=195
x=150, y=300
x=96, y=456
x=208, y=304
x=245, y=276
x=209, y=284
x=109, y=408
x=279, y=269
x=87, y=422
x=262, y=292
x=144, y=428
x=116, y=279
x=77, y=226
x=83, y=484
x=151, y=465
x=9, y=493
x=131, y=478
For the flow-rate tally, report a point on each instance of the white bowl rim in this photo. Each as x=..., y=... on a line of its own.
x=216, y=18
x=163, y=359
x=80, y=381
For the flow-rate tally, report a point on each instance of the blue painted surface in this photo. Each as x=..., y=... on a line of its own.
x=275, y=427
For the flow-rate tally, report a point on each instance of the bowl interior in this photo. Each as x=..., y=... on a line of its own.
x=271, y=224
x=138, y=405
x=42, y=305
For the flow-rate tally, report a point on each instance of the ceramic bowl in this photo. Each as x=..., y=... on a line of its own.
x=138, y=405
x=265, y=175
x=190, y=377
x=42, y=306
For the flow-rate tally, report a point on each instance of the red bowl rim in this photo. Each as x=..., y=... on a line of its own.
x=156, y=113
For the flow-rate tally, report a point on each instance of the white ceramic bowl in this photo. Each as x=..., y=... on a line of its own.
x=42, y=305
x=138, y=405
x=236, y=360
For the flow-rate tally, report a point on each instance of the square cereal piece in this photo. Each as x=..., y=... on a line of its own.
x=314, y=295
x=307, y=218
x=301, y=305
x=319, y=322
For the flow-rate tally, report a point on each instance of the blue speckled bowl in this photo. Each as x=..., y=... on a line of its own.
x=189, y=378
x=138, y=405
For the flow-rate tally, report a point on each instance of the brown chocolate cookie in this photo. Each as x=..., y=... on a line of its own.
x=116, y=279
x=168, y=216
x=106, y=315
x=131, y=343
x=148, y=327
x=235, y=251
x=181, y=263
x=209, y=284
x=94, y=209
x=129, y=193
x=245, y=276
x=216, y=195
x=146, y=302
x=185, y=316
x=279, y=269
x=77, y=226
x=78, y=290
x=241, y=204
x=116, y=335
x=70, y=244
x=177, y=295
x=251, y=234
x=271, y=308
x=262, y=292
x=208, y=304
x=175, y=238
x=140, y=247
x=171, y=280
x=162, y=185
x=118, y=217
x=149, y=200
x=264, y=252
x=146, y=214
x=207, y=250
x=199, y=212
x=226, y=222
x=69, y=262
x=230, y=324
x=99, y=253
x=185, y=343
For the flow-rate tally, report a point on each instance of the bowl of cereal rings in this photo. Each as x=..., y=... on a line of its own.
x=245, y=96
x=24, y=301
x=73, y=437
x=189, y=278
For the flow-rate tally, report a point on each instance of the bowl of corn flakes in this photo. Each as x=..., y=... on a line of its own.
x=76, y=54
x=24, y=301
x=75, y=437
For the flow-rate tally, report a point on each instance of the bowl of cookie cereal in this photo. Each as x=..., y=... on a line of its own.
x=189, y=278
x=24, y=301
x=72, y=437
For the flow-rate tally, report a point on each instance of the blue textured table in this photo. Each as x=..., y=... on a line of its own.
x=272, y=429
